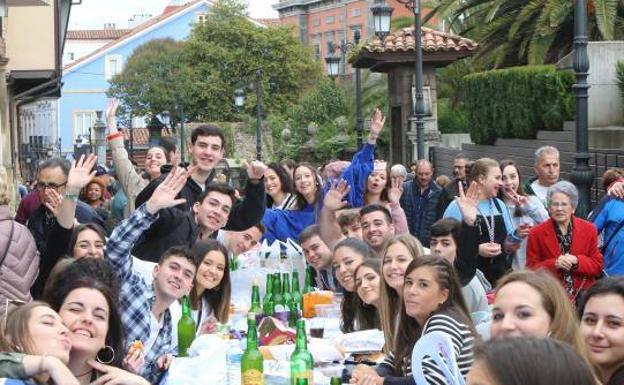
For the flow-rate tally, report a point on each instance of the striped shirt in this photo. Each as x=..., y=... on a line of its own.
x=463, y=345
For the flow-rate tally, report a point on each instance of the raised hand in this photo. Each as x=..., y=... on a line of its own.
x=334, y=199
x=255, y=170
x=519, y=200
x=377, y=123
x=111, y=375
x=468, y=202
x=165, y=194
x=81, y=173
x=396, y=189
x=111, y=111
x=53, y=201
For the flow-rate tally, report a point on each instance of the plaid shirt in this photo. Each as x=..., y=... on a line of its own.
x=136, y=296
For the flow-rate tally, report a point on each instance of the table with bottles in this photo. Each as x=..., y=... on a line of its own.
x=249, y=363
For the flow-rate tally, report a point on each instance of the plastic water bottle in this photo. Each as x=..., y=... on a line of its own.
x=234, y=355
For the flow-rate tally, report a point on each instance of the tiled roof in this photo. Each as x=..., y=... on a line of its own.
x=97, y=34
x=432, y=41
x=141, y=27
x=140, y=136
x=269, y=21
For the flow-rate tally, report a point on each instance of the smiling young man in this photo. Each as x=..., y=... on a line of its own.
x=320, y=257
x=377, y=226
x=176, y=228
x=207, y=148
x=144, y=307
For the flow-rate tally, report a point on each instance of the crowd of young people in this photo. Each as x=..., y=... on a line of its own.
x=361, y=226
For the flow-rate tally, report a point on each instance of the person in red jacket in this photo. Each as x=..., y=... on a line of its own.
x=565, y=245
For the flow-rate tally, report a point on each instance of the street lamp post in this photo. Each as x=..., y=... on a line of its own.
x=582, y=174
x=239, y=102
x=382, y=15
x=344, y=47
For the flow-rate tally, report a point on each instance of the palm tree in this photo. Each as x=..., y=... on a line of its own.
x=516, y=32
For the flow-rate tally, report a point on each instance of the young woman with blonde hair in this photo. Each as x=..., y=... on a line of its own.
x=533, y=303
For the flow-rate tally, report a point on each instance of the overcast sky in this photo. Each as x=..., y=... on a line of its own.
x=92, y=14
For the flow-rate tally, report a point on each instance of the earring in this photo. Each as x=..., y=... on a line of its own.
x=106, y=348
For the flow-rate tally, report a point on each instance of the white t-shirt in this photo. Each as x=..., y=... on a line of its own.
x=155, y=326
x=540, y=192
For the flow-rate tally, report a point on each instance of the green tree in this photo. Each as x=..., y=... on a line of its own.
x=619, y=73
x=517, y=32
x=226, y=50
x=153, y=80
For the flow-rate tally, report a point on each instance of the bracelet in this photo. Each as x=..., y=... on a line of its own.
x=71, y=196
x=114, y=135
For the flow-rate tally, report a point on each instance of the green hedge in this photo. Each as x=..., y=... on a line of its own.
x=517, y=102
x=451, y=120
x=619, y=72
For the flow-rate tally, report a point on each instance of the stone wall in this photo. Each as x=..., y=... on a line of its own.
x=606, y=107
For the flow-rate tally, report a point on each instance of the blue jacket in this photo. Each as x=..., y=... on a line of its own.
x=283, y=224
x=606, y=217
x=419, y=222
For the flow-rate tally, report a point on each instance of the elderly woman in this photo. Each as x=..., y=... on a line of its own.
x=565, y=245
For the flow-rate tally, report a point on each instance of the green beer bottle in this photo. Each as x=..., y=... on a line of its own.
x=186, y=328
x=308, y=282
x=296, y=293
x=268, y=307
x=252, y=363
x=286, y=290
x=277, y=290
x=301, y=361
x=256, y=307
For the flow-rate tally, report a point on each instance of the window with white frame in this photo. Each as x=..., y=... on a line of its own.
x=201, y=17
x=82, y=121
x=356, y=12
x=113, y=64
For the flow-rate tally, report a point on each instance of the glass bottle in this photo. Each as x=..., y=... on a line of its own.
x=301, y=361
x=252, y=363
x=256, y=306
x=268, y=306
x=186, y=328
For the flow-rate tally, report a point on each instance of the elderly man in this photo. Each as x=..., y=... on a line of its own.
x=423, y=202
x=547, y=173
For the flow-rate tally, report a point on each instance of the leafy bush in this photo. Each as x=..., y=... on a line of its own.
x=451, y=120
x=619, y=73
x=517, y=102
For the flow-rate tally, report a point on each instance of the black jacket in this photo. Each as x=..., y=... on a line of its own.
x=174, y=227
x=245, y=213
x=41, y=222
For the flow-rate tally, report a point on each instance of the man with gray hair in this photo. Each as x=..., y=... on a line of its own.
x=423, y=201
x=546, y=170
x=52, y=175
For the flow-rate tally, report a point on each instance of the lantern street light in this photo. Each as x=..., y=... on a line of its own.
x=333, y=66
x=344, y=47
x=239, y=102
x=382, y=15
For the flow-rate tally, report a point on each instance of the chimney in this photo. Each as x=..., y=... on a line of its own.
x=109, y=26
x=138, y=19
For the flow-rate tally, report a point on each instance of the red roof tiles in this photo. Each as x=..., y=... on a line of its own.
x=97, y=34
x=432, y=41
x=140, y=136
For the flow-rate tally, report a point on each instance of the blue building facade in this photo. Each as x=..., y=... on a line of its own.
x=86, y=81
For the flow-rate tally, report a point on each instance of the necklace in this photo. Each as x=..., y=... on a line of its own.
x=489, y=223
